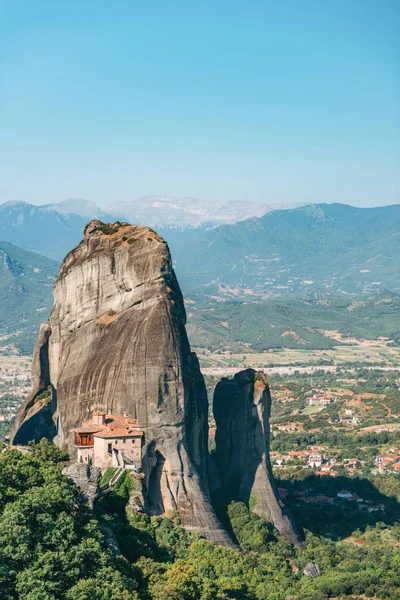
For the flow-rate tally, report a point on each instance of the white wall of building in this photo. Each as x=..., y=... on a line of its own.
x=85, y=454
x=108, y=450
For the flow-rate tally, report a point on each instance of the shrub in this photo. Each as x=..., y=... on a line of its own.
x=108, y=229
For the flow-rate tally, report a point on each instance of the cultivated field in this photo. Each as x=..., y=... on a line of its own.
x=368, y=353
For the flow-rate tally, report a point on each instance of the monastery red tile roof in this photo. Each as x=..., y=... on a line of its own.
x=114, y=426
x=118, y=432
x=89, y=429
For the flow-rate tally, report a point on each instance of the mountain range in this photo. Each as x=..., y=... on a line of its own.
x=324, y=249
x=167, y=211
x=319, y=248
x=53, y=229
x=44, y=229
x=286, y=271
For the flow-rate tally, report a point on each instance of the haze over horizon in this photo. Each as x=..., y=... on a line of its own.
x=235, y=101
x=105, y=206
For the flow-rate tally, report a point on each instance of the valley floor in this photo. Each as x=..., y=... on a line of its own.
x=285, y=360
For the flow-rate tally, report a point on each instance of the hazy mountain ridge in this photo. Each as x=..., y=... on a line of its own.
x=40, y=229
x=54, y=229
x=308, y=254
x=78, y=206
x=335, y=248
x=162, y=211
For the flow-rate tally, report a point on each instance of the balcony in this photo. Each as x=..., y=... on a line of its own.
x=83, y=441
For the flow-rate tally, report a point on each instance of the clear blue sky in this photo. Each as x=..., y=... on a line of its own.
x=276, y=101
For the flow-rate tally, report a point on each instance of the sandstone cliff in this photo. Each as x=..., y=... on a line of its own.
x=241, y=410
x=116, y=342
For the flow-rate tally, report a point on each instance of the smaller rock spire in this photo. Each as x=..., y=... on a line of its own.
x=241, y=410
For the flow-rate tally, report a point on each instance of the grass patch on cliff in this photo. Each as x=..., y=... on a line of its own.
x=106, y=478
x=45, y=396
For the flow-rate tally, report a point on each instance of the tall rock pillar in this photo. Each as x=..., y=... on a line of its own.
x=116, y=342
x=241, y=410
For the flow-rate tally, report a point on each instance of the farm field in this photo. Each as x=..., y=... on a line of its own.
x=283, y=360
x=320, y=324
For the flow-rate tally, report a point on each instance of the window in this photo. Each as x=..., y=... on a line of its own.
x=116, y=441
x=109, y=448
x=133, y=441
x=124, y=441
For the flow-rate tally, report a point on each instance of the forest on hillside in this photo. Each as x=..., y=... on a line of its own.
x=54, y=547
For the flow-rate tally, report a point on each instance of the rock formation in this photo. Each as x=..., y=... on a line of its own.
x=116, y=342
x=312, y=570
x=35, y=417
x=241, y=411
x=86, y=478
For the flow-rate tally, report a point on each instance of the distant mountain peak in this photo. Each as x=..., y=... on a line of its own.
x=167, y=211
x=77, y=206
x=11, y=203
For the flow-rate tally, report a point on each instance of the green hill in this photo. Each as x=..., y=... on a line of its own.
x=26, y=283
x=258, y=326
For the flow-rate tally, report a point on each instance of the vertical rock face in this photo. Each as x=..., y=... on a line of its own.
x=241, y=410
x=36, y=416
x=116, y=342
x=87, y=478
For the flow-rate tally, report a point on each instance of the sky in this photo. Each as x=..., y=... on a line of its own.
x=269, y=101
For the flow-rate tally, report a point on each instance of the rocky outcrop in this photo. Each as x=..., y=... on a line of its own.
x=312, y=570
x=116, y=342
x=136, y=499
x=241, y=411
x=35, y=417
x=86, y=478
x=111, y=541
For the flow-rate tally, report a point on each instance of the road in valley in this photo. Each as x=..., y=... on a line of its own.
x=287, y=370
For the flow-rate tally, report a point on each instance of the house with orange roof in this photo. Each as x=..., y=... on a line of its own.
x=385, y=459
x=320, y=400
x=109, y=441
x=395, y=468
x=316, y=460
x=299, y=454
x=326, y=468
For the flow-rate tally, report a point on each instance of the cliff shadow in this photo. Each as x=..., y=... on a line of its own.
x=153, y=463
x=316, y=506
x=38, y=423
